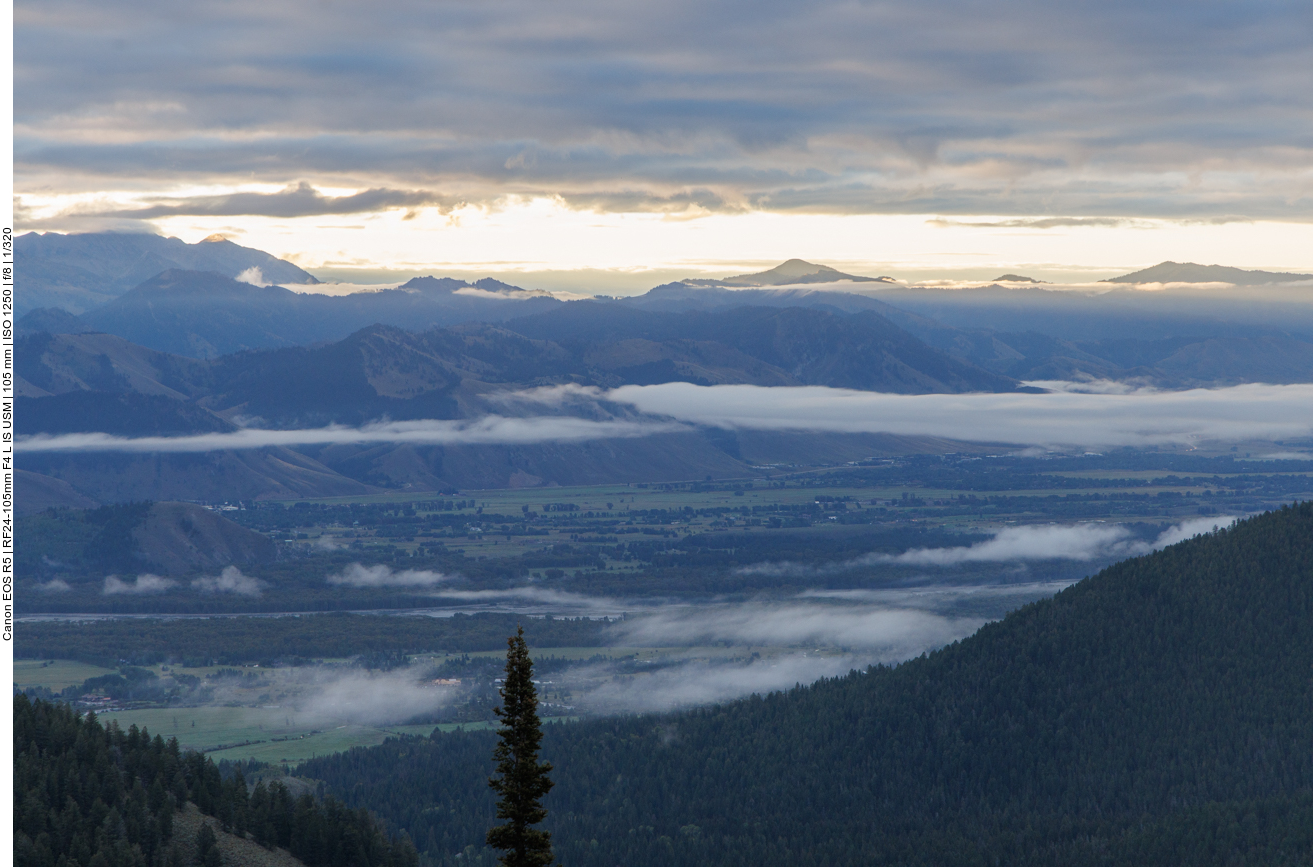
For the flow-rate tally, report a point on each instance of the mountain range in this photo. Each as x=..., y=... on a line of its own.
x=192, y=351
x=203, y=314
x=794, y=272
x=153, y=291
x=1023, y=333
x=83, y=271
x=98, y=382
x=1189, y=272
x=384, y=370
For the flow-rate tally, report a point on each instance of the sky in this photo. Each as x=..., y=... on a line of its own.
x=622, y=143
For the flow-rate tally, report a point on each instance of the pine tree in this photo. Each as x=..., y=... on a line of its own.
x=523, y=780
x=207, y=847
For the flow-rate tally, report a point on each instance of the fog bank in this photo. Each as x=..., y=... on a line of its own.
x=1057, y=419
x=1080, y=542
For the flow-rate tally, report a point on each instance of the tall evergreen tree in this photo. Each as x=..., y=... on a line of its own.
x=522, y=780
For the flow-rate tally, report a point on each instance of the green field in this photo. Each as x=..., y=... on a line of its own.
x=268, y=734
x=297, y=737
x=293, y=752
x=56, y=674
x=283, y=735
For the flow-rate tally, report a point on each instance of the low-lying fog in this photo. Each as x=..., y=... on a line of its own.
x=674, y=653
x=1083, y=415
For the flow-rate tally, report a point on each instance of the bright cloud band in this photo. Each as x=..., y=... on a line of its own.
x=489, y=430
x=1057, y=419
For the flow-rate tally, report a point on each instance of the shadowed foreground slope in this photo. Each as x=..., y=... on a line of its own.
x=1158, y=712
x=96, y=795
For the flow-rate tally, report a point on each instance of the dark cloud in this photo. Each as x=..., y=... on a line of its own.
x=299, y=200
x=1101, y=109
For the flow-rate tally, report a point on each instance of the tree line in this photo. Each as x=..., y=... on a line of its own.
x=88, y=795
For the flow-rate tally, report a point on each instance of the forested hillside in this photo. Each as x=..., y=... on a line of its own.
x=101, y=797
x=1156, y=713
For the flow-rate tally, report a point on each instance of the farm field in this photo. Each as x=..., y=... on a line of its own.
x=467, y=550
x=54, y=674
x=277, y=715
x=505, y=524
x=273, y=735
x=291, y=753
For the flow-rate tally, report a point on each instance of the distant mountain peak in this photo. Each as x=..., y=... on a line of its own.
x=1190, y=272
x=1017, y=278
x=489, y=284
x=799, y=268
x=83, y=271
x=445, y=285
x=794, y=271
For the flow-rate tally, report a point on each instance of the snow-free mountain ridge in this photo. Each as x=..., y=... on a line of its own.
x=792, y=272
x=80, y=272
x=1189, y=272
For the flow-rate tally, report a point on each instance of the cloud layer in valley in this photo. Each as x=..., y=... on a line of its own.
x=704, y=682
x=230, y=580
x=528, y=598
x=1062, y=419
x=890, y=633
x=1059, y=419
x=329, y=696
x=142, y=584
x=867, y=633
x=357, y=575
x=371, y=698
x=1081, y=542
x=489, y=430
x=534, y=599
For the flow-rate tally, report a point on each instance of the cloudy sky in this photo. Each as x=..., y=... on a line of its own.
x=655, y=138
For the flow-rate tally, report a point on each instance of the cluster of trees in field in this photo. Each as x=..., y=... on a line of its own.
x=86, y=794
x=1155, y=713
x=269, y=640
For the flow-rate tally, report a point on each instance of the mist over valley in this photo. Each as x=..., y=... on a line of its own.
x=763, y=479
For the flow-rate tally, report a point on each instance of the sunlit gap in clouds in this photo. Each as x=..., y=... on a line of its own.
x=1089, y=418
